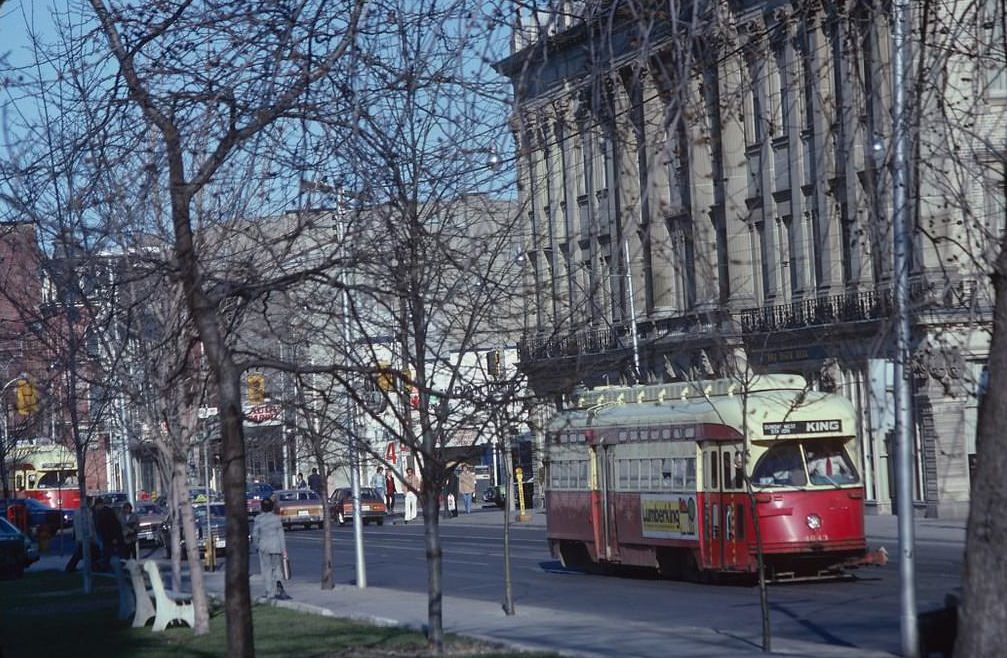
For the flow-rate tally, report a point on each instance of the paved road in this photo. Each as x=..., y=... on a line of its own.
x=610, y=617
x=859, y=613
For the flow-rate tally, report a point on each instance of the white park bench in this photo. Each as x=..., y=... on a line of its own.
x=144, y=608
x=171, y=606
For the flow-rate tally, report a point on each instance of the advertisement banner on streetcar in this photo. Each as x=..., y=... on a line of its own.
x=668, y=517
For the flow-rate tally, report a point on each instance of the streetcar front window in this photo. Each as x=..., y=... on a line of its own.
x=828, y=463
x=781, y=466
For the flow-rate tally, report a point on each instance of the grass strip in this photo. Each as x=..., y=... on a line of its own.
x=47, y=614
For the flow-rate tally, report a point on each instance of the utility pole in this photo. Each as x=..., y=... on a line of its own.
x=902, y=239
x=358, y=525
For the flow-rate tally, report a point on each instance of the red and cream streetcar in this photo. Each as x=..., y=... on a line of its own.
x=657, y=476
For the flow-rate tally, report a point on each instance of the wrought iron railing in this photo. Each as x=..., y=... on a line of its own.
x=852, y=307
x=862, y=306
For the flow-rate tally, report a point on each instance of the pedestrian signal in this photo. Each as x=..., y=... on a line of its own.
x=27, y=397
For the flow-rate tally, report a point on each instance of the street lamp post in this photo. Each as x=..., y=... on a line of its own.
x=2, y=393
x=901, y=237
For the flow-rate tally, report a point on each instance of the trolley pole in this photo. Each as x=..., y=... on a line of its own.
x=902, y=238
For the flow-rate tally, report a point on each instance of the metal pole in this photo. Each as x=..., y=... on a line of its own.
x=902, y=238
x=508, y=605
x=127, y=460
x=632, y=314
x=358, y=523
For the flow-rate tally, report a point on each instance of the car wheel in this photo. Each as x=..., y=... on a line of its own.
x=381, y=521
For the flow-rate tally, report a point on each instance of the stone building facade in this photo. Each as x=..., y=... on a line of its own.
x=711, y=191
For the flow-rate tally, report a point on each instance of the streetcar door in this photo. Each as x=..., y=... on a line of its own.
x=606, y=543
x=712, y=542
x=734, y=547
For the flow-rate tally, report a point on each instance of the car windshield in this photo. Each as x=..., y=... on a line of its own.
x=149, y=508
x=300, y=494
x=828, y=463
x=218, y=509
x=781, y=466
x=6, y=528
x=784, y=464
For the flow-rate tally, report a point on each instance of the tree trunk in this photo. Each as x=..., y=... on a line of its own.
x=237, y=595
x=982, y=623
x=86, y=556
x=432, y=537
x=178, y=498
x=188, y=523
x=328, y=581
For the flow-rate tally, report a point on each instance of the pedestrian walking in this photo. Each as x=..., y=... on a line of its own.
x=378, y=482
x=130, y=523
x=467, y=487
x=390, y=491
x=267, y=535
x=413, y=484
x=83, y=530
x=109, y=531
x=315, y=481
x=451, y=495
x=301, y=484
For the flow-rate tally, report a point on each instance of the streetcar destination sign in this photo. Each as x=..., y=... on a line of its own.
x=802, y=427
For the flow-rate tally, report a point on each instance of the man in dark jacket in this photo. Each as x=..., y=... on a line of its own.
x=315, y=481
x=109, y=530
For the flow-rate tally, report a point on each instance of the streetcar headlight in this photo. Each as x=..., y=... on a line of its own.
x=814, y=521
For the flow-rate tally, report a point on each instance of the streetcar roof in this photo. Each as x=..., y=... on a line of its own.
x=777, y=407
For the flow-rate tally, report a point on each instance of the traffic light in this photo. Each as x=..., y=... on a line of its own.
x=386, y=378
x=494, y=364
x=27, y=397
x=256, y=388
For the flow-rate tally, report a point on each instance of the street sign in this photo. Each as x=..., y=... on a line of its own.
x=262, y=413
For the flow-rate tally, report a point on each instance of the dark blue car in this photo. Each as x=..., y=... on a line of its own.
x=40, y=515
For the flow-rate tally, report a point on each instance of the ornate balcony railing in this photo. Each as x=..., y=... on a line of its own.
x=847, y=308
x=592, y=341
x=863, y=306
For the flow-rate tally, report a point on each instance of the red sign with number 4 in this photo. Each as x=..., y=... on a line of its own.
x=390, y=456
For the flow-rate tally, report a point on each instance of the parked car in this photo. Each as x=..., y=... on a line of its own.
x=372, y=507
x=255, y=492
x=40, y=515
x=15, y=550
x=115, y=499
x=299, y=507
x=218, y=526
x=151, y=516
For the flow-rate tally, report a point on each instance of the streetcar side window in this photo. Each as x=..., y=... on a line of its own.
x=19, y=481
x=31, y=481
x=727, y=469
x=690, y=473
x=623, y=474
x=714, y=469
x=781, y=466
